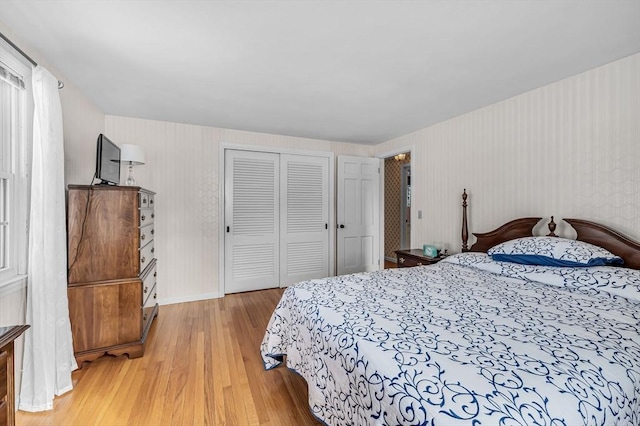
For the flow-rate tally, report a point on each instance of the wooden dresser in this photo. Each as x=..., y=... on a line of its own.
x=415, y=257
x=112, y=269
x=7, y=381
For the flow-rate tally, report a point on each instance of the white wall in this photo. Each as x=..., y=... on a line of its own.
x=83, y=122
x=569, y=149
x=182, y=168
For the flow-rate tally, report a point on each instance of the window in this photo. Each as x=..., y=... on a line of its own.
x=16, y=109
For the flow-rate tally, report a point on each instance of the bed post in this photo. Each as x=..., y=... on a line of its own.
x=465, y=228
x=552, y=228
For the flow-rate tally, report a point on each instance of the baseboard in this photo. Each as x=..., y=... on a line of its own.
x=185, y=299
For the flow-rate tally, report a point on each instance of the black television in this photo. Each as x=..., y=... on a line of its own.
x=107, y=161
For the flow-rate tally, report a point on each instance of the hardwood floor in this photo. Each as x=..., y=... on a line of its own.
x=202, y=366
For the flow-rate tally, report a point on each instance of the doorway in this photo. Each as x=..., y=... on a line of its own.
x=405, y=207
x=397, y=205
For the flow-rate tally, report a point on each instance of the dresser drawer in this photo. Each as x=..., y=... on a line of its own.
x=146, y=235
x=151, y=300
x=408, y=262
x=148, y=308
x=414, y=257
x=143, y=201
x=146, y=217
x=148, y=281
x=146, y=255
x=3, y=375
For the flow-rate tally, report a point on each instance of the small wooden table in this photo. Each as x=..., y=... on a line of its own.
x=415, y=257
x=7, y=381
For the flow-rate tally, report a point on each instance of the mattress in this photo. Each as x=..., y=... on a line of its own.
x=468, y=341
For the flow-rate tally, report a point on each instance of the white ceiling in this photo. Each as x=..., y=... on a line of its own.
x=353, y=71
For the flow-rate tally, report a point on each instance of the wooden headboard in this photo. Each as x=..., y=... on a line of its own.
x=607, y=238
x=518, y=228
x=589, y=232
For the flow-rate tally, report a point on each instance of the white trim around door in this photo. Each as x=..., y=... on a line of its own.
x=414, y=172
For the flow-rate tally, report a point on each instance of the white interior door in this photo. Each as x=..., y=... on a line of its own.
x=252, y=228
x=358, y=217
x=304, y=220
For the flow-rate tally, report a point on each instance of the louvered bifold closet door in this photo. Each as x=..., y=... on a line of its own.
x=252, y=228
x=304, y=222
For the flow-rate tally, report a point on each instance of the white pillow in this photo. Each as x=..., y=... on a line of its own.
x=552, y=251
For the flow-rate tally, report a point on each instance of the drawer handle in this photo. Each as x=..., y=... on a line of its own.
x=153, y=215
x=143, y=218
x=401, y=260
x=142, y=259
x=153, y=250
x=155, y=295
x=155, y=274
x=151, y=201
x=152, y=232
x=146, y=289
x=144, y=318
x=142, y=237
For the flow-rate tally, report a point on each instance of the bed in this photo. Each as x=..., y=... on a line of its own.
x=473, y=340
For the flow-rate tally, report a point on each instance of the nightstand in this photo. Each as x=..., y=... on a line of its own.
x=415, y=257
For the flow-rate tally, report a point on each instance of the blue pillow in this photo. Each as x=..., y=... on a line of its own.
x=552, y=251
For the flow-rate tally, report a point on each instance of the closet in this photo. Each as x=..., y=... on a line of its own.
x=276, y=226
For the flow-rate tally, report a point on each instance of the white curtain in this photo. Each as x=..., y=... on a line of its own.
x=48, y=351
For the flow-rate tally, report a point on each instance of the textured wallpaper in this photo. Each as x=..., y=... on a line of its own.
x=392, y=204
x=569, y=149
x=182, y=167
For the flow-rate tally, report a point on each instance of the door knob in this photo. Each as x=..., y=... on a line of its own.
x=341, y=226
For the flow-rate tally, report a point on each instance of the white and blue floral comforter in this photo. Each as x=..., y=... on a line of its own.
x=468, y=341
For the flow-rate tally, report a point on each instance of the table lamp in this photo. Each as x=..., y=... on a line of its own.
x=131, y=155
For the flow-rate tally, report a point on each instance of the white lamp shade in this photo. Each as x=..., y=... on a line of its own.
x=131, y=154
